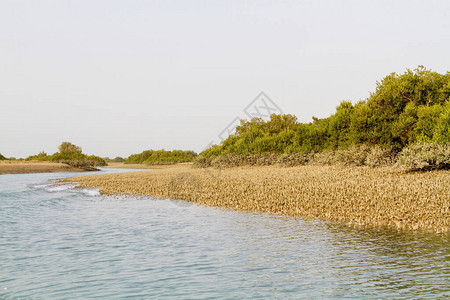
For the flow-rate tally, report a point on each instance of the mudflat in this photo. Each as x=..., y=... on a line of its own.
x=22, y=167
x=352, y=195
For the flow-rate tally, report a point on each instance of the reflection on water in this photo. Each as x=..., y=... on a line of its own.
x=63, y=243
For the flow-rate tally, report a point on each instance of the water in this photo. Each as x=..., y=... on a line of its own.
x=60, y=243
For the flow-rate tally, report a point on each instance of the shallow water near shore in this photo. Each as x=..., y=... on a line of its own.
x=58, y=242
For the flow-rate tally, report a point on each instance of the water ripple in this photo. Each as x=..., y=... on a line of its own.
x=61, y=242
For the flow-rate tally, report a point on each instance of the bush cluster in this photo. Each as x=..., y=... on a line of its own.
x=360, y=155
x=405, y=109
x=71, y=155
x=2, y=157
x=236, y=160
x=161, y=157
x=424, y=156
x=357, y=155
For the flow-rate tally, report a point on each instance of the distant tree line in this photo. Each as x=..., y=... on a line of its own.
x=116, y=159
x=161, y=157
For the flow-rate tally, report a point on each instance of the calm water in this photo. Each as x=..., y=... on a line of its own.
x=58, y=243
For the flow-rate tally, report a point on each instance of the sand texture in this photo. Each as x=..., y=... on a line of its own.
x=352, y=195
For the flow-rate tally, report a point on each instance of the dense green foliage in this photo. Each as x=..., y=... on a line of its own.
x=71, y=155
x=161, y=157
x=66, y=147
x=405, y=109
x=116, y=159
x=2, y=157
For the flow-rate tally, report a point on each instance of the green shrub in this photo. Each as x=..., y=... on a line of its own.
x=442, y=127
x=67, y=156
x=80, y=164
x=139, y=158
x=96, y=160
x=42, y=156
x=427, y=120
x=2, y=157
x=71, y=155
x=425, y=156
x=69, y=147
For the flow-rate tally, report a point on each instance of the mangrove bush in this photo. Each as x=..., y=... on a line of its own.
x=72, y=155
x=405, y=109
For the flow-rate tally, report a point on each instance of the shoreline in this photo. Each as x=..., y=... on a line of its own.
x=29, y=167
x=120, y=165
x=351, y=195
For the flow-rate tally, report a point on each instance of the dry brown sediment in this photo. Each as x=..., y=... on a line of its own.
x=352, y=195
x=22, y=167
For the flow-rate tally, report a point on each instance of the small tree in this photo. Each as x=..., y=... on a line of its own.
x=2, y=157
x=68, y=147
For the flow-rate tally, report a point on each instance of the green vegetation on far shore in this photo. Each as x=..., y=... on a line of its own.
x=408, y=110
x=116, y=159
x=161, y=157
x=71, y=155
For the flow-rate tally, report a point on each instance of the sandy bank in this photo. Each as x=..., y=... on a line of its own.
x=355, y=195
x=21, y=167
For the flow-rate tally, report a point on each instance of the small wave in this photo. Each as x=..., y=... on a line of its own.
x=60, y=188
x=90, y=192
x=53, y=188
x=39, y=186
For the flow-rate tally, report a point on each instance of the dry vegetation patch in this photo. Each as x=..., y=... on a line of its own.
x=355, y=195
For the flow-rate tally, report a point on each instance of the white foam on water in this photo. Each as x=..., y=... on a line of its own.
x=53, y=188
x=39, y=186
x=90, y=192
x=60, y=188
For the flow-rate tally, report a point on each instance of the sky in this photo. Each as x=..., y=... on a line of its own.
x=119, y=77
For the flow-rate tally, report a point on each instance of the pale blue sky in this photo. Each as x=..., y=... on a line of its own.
x=118, y=77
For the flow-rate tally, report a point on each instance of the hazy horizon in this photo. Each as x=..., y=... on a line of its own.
x=119, y=77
